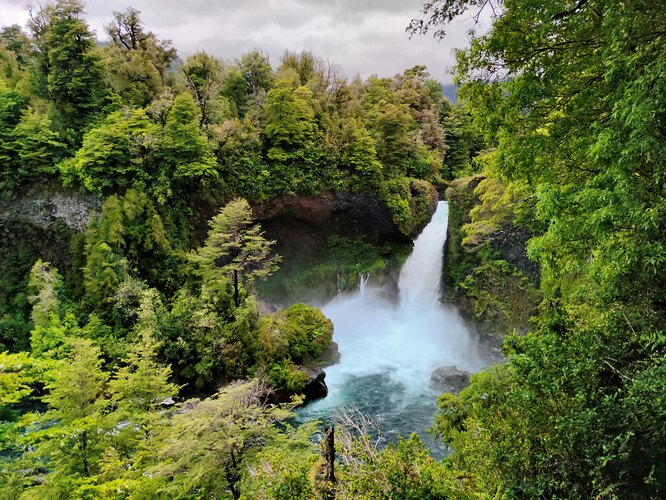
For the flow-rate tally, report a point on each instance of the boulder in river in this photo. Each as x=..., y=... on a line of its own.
x=450, y=378
x=317, y=387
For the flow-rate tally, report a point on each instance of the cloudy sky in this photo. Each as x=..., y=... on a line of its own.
x=361, y=36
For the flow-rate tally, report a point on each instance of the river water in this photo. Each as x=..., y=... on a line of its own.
x=389, y=348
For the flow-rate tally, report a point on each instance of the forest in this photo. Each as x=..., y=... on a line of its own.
x=138, y=359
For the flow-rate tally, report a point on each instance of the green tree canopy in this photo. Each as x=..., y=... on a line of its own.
x=236, y=246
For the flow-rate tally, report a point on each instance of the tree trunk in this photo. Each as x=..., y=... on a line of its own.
x=236, y=301
x=233, y=476
x=329, y=456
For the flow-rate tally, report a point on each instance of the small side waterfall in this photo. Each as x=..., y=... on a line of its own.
x=388, y=350
x=362, y=283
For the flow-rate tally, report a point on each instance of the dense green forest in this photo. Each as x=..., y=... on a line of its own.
x=136, y=362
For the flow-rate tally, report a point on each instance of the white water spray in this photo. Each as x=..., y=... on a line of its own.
x=389, y=351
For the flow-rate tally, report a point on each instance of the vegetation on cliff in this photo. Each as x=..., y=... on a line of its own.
x=571, y=96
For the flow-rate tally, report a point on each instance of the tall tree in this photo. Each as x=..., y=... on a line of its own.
x=71, y=66
x=292, y=134
x=236, y=246
x=203, y=77
x=138, y=61
x=71, y=449
x=208, y=445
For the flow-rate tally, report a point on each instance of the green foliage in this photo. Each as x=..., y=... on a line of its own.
x=44, y=286
x=143, y=383
x=489, y=223
x=129, y=238
x=282, y=468
x=410, y=202
x=361, y=158
x=292, y=133
x=203, y=74
x=238, y=153
x=72, y=448
x=74, y=79
x=207, y=446
x=236, y=246
x=114, y=153
x=18, y=375
x=462, y=141
x=184, y=152
x=299, y=333
x=137, y=61
x=572, y=99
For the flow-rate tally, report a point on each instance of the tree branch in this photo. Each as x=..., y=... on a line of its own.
x=567, y=13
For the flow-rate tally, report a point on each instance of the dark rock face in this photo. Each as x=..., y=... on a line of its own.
x=450, y=379
x=511, y=243
x=43, y=222
x=317, y=387
x=311, y=219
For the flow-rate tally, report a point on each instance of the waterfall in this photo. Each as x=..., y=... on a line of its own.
x=388, y=350
x=362, y=282
x=421, y=275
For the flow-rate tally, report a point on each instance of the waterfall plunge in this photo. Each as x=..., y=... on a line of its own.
x=390, y=350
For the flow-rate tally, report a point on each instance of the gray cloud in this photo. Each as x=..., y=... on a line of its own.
x=361, y=36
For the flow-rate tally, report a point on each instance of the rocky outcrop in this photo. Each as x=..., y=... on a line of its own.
x=40, y=221
x=317, y=387
x=330, y=356
x=450, y=379
x=496, y=289
x=315, y=217
x=46, y=208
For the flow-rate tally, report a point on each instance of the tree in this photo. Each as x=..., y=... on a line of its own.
x=38, y=147
x=571, y=96
x=70, y=65
x=72, y=448
x=12, y=105
x=44, y=286
x=292, y=134
x=360, y=157
x=394, y=144
x=239, y=155
x=208, y=445
x=15, y=40
x=203, y=76
x=257, y=71
x=115, y=153
x=128, y=33
x=142, y=383
x=137, y=61
x=236, y=245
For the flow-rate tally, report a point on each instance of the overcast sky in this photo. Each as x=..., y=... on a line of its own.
x=361, y=36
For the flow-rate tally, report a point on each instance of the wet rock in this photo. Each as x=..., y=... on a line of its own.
x=316, y=388
x=330, y=356
x=310, y=219
x=450, y=379
x=47, y=208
